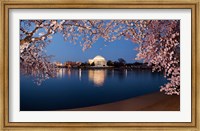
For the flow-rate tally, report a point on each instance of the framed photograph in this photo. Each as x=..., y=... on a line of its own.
x=99, y=65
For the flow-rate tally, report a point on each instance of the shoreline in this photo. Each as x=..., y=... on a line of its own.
x=150, y=102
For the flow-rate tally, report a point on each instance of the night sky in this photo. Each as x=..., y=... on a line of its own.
x=66, y=51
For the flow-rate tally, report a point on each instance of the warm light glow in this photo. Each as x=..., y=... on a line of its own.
x=97, y=76
x=60, y=73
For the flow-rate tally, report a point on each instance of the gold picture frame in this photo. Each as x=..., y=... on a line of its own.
x=116, y=4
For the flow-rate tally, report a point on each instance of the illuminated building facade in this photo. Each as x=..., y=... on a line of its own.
x=98, y=61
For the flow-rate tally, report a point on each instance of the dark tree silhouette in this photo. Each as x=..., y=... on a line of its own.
x=121, y=61
x=92, y=64
x=110, y=63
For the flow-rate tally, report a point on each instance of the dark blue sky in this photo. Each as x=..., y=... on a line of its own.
x=66, y=51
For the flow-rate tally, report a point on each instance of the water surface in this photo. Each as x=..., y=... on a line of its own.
x=74, y=88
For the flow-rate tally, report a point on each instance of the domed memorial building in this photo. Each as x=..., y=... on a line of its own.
x=99, y=61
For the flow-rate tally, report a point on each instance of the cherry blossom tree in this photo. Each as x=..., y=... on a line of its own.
x=158, y=43
x=161, y=48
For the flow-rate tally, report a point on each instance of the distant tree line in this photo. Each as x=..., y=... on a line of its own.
x=121, y=63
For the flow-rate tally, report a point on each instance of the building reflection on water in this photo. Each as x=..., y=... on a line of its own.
x=97, y=76
x=61, y=72
x=68, y=72
x=79, y=74
x=126, y=72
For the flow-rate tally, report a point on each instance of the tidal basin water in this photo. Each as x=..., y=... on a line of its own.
x=75, y=88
